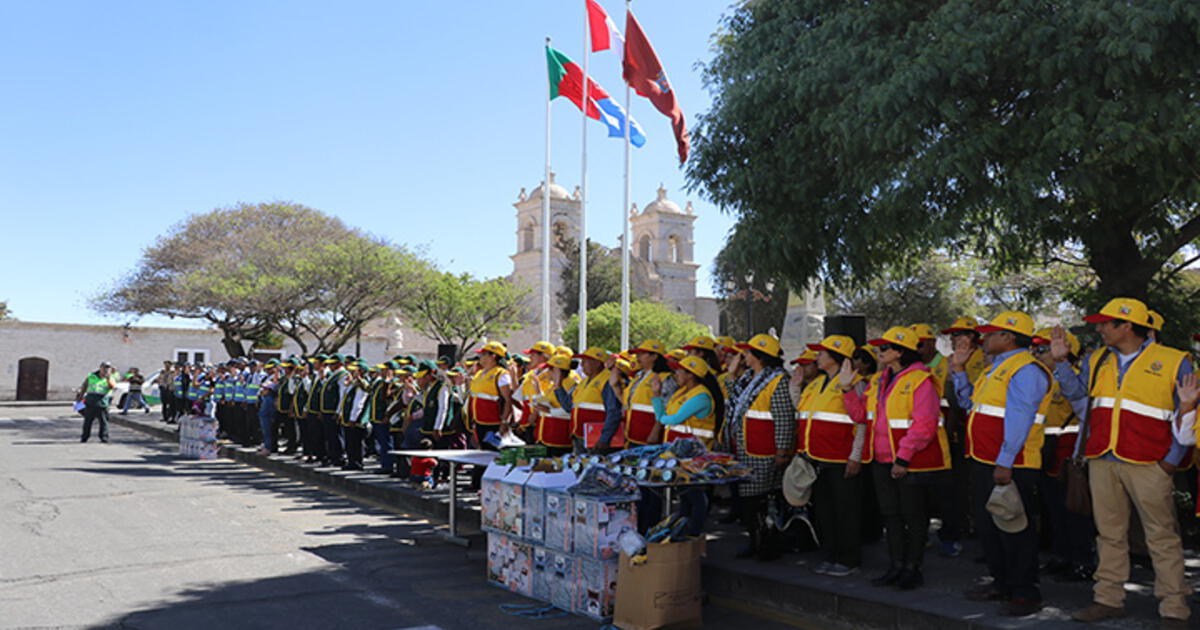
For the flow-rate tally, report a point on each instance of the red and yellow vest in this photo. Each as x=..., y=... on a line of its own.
x=899, y=407
x=1062, y=423
x=485, y=401
x=985, y=425
x=758, y=425
x=824, y=431
x=703, y=429
x=587, y=402
x=531, y=386
x=639, y=412
x=554, y=427
x=1133, y=420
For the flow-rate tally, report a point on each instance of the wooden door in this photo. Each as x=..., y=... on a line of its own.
x=31, y=378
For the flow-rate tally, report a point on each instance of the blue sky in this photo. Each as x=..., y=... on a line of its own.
x=417, y=121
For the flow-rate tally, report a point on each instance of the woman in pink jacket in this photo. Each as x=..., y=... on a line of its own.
x=909, y=449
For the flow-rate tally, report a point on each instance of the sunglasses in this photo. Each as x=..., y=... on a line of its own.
x=889, y=346
x=1041, y=349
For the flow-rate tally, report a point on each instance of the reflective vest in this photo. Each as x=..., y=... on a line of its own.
x=554, y=427
x=98, y=385
x=219, y=390
x=1133, y=420
x=378, y=401
x=824, y=431
x=758, y=425
x=316, y=383
x=587, y=403
x=250, y=391
x=237, y=387
x=939, y=369
x=205, y=388
x=639, y=409
x=284, y=395
x=531, y=386
x=976, y=365
x=702, y=429
x=177, y=385
x=899, y=406
x=302, y=398
x=1062, y=423
x=331, y=392
x=193, y=392
x=485, y=401
x=985, y=425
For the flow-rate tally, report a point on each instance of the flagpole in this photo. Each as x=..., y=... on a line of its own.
x=546, y=223
x=625, y=245
x=583, y=187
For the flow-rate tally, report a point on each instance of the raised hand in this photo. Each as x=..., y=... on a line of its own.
x=1060, y=349
x=846, y=374
x=963, y=349
x=1188, y=391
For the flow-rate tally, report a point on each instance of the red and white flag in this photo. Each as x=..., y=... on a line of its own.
x=645, y=74
x=604, y=31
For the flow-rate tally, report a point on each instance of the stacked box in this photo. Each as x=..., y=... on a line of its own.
x=559, y=520
x=536, y=489
x=598, y=524
x=502, y=497
x=198, y=437
x=543, y=572
x=510, y=564
x=596, y=589
x=564, y=574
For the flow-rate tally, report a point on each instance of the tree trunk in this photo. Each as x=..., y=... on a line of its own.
x=233, y=346
x=1117, y=259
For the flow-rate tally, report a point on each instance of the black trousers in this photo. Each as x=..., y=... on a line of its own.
x=95, y=409
x=1012, y=559
x=836, y=503
x=1072, y=535
x=354, y=435
x=285, y=429
x=334, y=446
x=904, y=504
x=955, y=503
x=252, y=427
x=168, y=403
x=314, y=438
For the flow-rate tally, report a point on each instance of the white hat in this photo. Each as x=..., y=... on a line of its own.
x=798, y=480
x=1008, y=513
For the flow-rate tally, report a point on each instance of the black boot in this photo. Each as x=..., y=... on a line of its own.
x=910, y=578
x=889, y=578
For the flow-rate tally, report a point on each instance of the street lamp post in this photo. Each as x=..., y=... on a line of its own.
x=750, y=296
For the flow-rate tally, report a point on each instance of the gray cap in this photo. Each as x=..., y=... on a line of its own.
x=1008, y=513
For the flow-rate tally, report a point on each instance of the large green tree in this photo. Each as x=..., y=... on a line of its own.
x=848, y=137
x=603, y=276
x=647, y=320
x=461, y=310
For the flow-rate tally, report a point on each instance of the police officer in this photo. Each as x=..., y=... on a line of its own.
x=95, y=393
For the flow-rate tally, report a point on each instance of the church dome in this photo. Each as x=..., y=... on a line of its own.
x=556, y=191
x=662, y=204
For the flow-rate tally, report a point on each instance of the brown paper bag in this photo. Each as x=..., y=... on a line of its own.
x=663, y=592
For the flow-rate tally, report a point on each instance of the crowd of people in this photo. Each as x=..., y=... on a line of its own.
x=986, y=438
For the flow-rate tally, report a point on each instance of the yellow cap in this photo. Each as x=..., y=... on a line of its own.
x=1156, y=320
x=627, y=367
x=902, y=336
x=839, y=344
x=677, y=354
x=924, y=331
x=962, y=324
x=495, y=347
x=545, y=347
x=1127, y=309
x=651, y=345
x=1044, y=335
x=563, y=350
x=808, y=356
x=1011, y=321
x=703, y=342
x=561, y=361
x=695, y=365
x=763, y=343
x=594, y=352
x=727, y=343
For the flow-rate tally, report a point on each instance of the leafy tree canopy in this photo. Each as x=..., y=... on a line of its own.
x=647, y=320
x=850, y=138
x=458, y=309
x=603, y=276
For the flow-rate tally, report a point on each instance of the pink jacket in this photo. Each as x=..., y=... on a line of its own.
x=925, y=416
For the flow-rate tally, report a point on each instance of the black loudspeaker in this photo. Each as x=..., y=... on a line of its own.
x=853, y=326
x=448, y=350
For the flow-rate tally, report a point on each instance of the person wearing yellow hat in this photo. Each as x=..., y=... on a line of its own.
x=760, y=428
x=553, y=429
x=956, y=504
x=706, y=348
x=908, y=449
x=490, y=401
x=836, y=444
x=641, y=428
x=1007, y=407
x=1156, y=324
x=806, y=370
x=594, y=406
x=692, y=411
x=1072, y=534
x=533, y=382
x=1131, y=385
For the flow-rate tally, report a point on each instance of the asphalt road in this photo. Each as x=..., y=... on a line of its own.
x=129, y=535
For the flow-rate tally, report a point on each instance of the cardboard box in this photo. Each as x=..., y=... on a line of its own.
x=543, y=572
x=559, y=520
x=664, y=591
x=596, y=589
x=564, y=577
x=497, y=551
x=536, y=489
x=510, y=564
x=598, y=523
x=502, y=499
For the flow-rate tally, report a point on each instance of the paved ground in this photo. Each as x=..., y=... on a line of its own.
x=128, y=535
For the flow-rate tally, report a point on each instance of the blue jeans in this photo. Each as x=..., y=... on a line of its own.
x=383, y=443
x=266, y=421
x=130, y=399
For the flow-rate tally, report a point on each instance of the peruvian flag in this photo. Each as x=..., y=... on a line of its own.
x=566, y=79
x=604, y=31
x=645, y=74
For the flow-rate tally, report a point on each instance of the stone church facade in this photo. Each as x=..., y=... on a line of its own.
x=662, y=265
